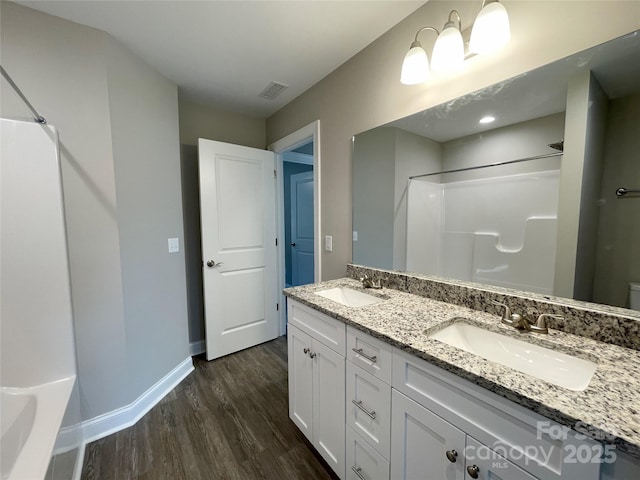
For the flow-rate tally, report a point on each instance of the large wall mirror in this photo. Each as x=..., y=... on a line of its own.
x=528, y=201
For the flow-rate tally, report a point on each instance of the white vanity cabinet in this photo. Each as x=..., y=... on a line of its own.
x=424, y=442
x=503, y=439
x=316, y=366
x=368, y=406
x=376, y=412
x=421, y=442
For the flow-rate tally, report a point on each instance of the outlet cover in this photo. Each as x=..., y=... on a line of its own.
x=328, y=243
x=174, y=245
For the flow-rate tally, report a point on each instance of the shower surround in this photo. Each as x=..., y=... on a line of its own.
x=37, y=345
x=499, y=231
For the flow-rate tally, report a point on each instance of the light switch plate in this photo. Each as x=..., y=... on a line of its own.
x=355, y=236
x=174, y=245
x=328, y=243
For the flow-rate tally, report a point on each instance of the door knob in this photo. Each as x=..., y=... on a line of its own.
x=452, y=456
x=473, y=471
x=212, y=263
x=293, y=244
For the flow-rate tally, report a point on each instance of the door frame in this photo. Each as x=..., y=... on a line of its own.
x=310, y=132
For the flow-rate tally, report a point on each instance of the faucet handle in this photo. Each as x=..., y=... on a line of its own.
x=507, y=310
x=541, y=324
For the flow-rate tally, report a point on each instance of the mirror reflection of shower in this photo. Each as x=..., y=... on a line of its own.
x=473, y=230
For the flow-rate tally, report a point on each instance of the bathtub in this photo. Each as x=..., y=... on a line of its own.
x=30, y=421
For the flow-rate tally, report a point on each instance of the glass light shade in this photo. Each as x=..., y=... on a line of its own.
x=490, y=30
x=415, y=68
x=448, y=52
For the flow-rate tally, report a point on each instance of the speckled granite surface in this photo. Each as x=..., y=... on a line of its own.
x=618, y=326
x=607, y=410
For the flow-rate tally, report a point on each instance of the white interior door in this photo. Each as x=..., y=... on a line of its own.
x=237, y=205
x=302, y=228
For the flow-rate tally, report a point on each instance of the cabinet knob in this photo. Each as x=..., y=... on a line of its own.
x=306, y=350
x=312, y=355
x=473, y=471
x=452, y=456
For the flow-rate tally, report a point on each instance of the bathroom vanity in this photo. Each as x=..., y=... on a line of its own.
x=378, y=387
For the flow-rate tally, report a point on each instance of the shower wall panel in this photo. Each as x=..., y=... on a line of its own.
x=499, y=231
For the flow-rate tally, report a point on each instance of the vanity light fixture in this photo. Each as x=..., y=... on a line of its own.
x=490, y=32
x=487, y=119
x=448, y=51
x=415, y=67
x=491, y=29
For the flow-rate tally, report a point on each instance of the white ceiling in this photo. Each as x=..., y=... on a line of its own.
x=224, y=53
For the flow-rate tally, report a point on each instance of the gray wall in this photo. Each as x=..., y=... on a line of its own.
x=618, y=255
x=520, y=140
x=204, y=121
x=365, y=92
x=374, y=176
x=130, y=331
x=580, y=179
x=144, y=129
x=590, y=192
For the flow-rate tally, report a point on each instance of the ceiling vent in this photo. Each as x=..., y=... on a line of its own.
x=273, y=90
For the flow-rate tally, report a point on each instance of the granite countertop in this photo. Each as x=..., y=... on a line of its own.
x=607, y=410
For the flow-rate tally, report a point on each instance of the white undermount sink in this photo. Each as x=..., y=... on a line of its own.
x=546, y=364
x=349, y=297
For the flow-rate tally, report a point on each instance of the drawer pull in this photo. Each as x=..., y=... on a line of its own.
x=358, y=472
x=362, y=354
x=358, y=403
x=452, y=456
x=473, y=471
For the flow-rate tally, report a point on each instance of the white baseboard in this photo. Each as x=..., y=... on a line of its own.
x=116, y=420
x=198, y=347
x=121, y=418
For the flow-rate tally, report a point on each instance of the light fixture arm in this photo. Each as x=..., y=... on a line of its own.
x=416, y=43
x=450, y=21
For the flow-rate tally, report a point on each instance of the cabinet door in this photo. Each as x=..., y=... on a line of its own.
x=369, y=408
x=420, y=441
x=363, y=462
x=328, y=406
x=483, y=463
x=300, y=366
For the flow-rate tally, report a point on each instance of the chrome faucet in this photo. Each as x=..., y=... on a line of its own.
x=519, y=322
x=368, y=282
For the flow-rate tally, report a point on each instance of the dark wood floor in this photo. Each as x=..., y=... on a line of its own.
x=227, y=420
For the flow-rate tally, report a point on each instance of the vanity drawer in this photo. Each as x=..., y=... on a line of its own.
x=368, y=402
x=372, y=355
x=323, y=328
x=517, y=433
x=363, y=462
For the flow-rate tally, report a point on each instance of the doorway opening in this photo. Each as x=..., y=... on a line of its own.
x=298, y=178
